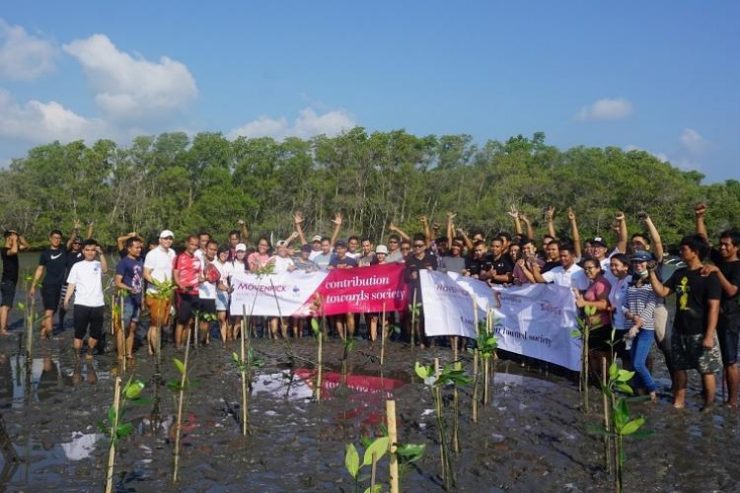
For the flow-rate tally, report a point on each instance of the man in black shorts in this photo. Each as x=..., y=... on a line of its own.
x=693, y=341
x=50, y=275
x=14, y=243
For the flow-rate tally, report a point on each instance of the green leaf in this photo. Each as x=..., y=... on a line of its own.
x=422, y=372
x=613, y=370
x=621, y=414
x=379, y=447
x=352, y=460
x=575, y=333
x=632, y=426
x=133, y=389
x=179, y=365
x=625, y=376
x=174, y=385
x=623, y=387
x=21, y=305
x=378, y=488
x=589, y=310
x=124, y=430
x=111, y=414
x=315, y=326
x=410, y=452
x=235, y=358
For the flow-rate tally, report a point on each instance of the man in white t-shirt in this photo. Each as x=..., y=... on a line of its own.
x=207, y=290
x=85, y=280
x=158, y=270
x=568, y=274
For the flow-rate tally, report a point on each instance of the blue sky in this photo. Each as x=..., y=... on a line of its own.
x=658, y=76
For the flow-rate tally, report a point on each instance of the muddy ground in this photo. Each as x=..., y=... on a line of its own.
x=532, y=437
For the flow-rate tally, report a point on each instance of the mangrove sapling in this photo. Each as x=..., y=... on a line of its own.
x=584, y=327
x=486, y=344
x=415, y=310
x=349, y=345
x=620, y=424
x=374, y=451
x=115, y=428
x=446, y=376
x=180, y=387
x=318, y=334
x=244, y=364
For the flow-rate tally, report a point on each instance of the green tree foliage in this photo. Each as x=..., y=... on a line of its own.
x=171, y=181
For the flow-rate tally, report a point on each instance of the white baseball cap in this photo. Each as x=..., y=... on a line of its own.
x=381, y=249
x=240, y=247
x=167, y=234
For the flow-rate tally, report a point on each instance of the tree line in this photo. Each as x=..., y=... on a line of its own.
x=209, y=182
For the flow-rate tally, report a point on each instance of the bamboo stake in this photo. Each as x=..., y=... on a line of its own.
x=413, y=318
x=475, y=365
x=320, y=362
x=113, y=430
x=607, y=427
x=245, y=413
x=390, y=411
x=373, y=471
x=382, y=337
x=456, y=401
x=178, y=428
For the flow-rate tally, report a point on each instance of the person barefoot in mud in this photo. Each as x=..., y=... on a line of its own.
x=158, y=269
x=186, y=274
x=14, y=243
x=85, y=280
x=694, y=341
x=50, y=276
x=130, y=279
x=727, y=268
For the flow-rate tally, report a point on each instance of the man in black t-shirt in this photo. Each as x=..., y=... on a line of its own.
x=693, y=341
x=14, y=243
x=502, y=267
x=50, y=273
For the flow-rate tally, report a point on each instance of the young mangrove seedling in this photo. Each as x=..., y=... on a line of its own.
x=449, y=375
x=584, y=327
x=114, y=426
x=374, y=451
x=319, y=335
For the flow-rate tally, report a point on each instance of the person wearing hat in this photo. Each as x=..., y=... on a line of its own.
x=303, y=260
x=639, y=308
x=158, y=270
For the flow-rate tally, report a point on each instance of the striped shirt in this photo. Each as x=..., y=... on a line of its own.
x=640, y=301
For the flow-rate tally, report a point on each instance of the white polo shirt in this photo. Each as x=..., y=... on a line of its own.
x=574, y=277
x=160, y=261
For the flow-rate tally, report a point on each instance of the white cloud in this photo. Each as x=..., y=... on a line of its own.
x=693, y=141
x=131, y=89
x=606, y=109
x=658, y=155
x=39, y=122
x=307, y=124
x=23, y=56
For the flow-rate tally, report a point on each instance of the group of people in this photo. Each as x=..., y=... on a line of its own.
x=621, y=291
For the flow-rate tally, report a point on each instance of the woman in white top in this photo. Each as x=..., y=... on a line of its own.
x=237, y=266
x=222, y=292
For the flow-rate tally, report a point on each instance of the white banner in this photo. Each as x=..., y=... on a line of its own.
x=534, y=320
x=273, y=295
x=448, y=308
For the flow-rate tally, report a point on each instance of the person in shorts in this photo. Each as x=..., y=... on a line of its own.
x=130, y=280
x=693, y=341
x=158, y=269
x=85, y=281
x=14, y=243
x=50, y=276
x=187, y=273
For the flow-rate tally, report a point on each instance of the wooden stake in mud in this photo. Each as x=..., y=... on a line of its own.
x=413, y=318
x=178, y=428
x=390, y=412
x=382, y=337
x=607, y=427
x=113, y=430
x=476, y=353
x=456, y=400
x=245, y=412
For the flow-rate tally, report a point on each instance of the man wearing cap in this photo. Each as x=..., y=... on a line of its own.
x=303, y=260
x=158, y=269
x=315, y=247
